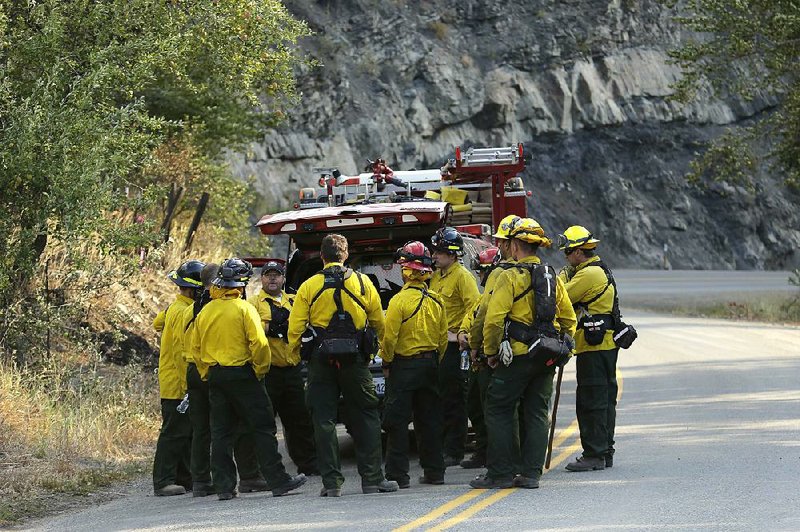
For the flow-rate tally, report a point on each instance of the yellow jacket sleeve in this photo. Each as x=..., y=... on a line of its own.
x=565, y=314
x=498, y=308
x=443, y=334
x=160, y=320
x=391, y=331
x=374, y=308
x=257, y=340
x=298, y=318
x=469, y=291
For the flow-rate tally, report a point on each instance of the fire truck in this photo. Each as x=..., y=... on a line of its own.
x=381, y=209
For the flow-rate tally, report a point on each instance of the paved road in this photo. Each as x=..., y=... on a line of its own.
x=708, y=438
x=653, y=287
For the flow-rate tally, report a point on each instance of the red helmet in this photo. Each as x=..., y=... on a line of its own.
x=414, y=255
x=487, y=258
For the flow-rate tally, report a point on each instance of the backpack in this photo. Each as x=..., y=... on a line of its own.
x=541, y=336
x=340, y=340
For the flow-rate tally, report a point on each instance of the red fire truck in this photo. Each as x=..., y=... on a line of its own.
x=381, y=209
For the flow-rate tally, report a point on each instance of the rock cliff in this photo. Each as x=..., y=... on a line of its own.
x=584, y=84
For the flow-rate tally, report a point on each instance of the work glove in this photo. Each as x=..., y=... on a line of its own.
x=569, y=341
x=505, y=353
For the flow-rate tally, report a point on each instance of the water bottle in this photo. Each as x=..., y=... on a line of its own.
x=465, y=360
x=184, y=405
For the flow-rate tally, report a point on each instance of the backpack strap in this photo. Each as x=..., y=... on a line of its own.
x=425, y=294
x=339, y=275
x=616, y=315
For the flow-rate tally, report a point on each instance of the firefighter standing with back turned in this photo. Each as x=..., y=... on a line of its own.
x=173, y=451
x=481, y=372
x=531, y=306
x=414, y=339
x=459, y=292
x=284, y=381
x=250, y=478
x=232, y=346
x=343, y=309
x=592, y=294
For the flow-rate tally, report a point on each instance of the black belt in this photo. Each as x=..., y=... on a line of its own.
x=418, y=356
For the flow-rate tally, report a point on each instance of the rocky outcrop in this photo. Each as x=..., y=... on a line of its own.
x=584, y=84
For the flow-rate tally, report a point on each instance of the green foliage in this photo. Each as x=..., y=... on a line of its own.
x=750, y=49
x=88, y=92
x=729, y=159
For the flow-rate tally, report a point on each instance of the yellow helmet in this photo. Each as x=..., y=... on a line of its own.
x=576, y=237
x=528, y=230
x=506, y=225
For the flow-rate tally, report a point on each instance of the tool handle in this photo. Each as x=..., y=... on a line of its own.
x=553, y=420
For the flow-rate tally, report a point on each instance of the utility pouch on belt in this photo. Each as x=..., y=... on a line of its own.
x=548, y=351
x=624, y=334
x=594, y=327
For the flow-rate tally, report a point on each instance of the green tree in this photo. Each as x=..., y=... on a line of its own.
x=90, y=90
x=750, y=49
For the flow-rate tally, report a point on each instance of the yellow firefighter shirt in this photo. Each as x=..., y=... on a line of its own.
x=228, y=332
x=476, y=325
x=320, y=314
x=171, y=366
x=588, y=281
x=159, y=321
x=281, y=356
x=425, y=330
x=510, y=283
x=458, y=290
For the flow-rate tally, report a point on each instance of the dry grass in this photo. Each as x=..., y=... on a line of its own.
x=71, y=423
x=70, y=431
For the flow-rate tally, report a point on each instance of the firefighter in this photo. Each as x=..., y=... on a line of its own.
x=484, y=266
x=481, y=371
x=284, y=381
x=459, y=292
x=199, y=412
x=531, y=304
x=235, y=354
x=341, y=310
x=171, y=465
x=414, y=339
x=592, y=294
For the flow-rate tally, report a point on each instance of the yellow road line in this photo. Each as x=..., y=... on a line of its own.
x=441, y=510
x=475, y=508
x=488, y=501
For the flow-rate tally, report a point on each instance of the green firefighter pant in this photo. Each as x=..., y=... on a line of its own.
x=326, y=382
x=200, y=417
x=287, y=393
x=173, y=450
x=412, y=389
x=236, y=395
x=596, y=401
x=476, y=401
x=530, y=385
x=453, y=390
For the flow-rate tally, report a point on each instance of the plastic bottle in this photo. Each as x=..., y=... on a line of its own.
x=184, y=405
x=465, y=360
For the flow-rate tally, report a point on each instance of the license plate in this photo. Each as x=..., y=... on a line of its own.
x=380, y=385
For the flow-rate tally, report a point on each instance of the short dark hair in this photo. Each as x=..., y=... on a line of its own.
x=588, y=253
x=527, y=247
x=333, y=248
x=209, y=273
